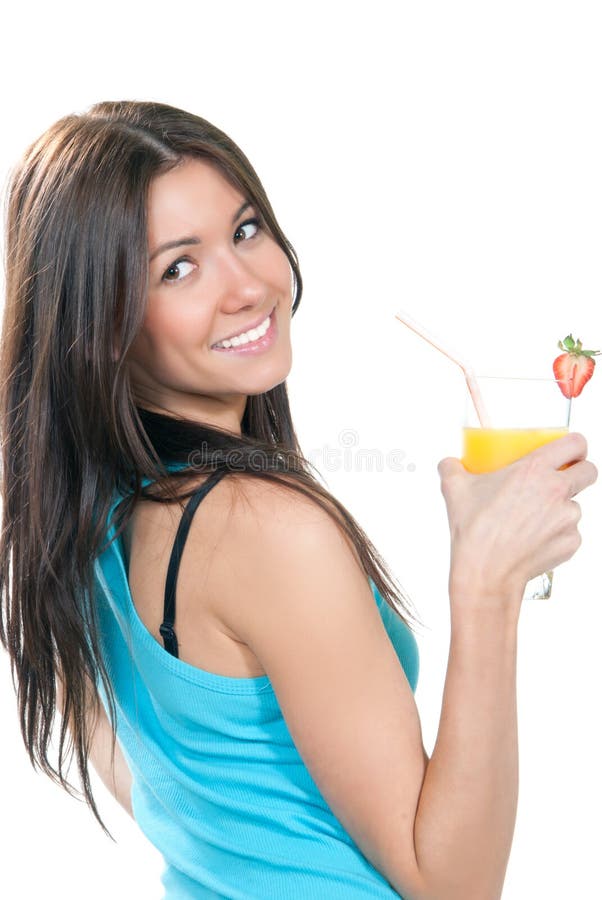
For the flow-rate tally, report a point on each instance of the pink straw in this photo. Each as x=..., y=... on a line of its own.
x=468, y=372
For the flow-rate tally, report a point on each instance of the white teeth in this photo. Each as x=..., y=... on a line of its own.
x=253, y=335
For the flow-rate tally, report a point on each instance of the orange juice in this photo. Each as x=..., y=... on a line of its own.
x=487, y=449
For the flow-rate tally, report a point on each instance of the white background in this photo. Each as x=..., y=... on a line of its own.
x=441, y=157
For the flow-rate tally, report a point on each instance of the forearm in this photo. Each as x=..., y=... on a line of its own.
x=467, y=807
x=113, y=772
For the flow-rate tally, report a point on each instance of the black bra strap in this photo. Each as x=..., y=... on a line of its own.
x=169, y=609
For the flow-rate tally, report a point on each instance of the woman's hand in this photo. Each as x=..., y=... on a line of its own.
x=511, y=525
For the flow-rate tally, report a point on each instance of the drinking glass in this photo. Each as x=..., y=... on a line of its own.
x=525, y=413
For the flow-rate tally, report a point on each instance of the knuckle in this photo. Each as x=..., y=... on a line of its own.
x=444, y=467
x=574, y=542
x=579, y=443
x=448, y=475
x=444, y=481
x=571, y=517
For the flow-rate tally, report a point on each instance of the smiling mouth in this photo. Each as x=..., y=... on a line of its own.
x=250, y=336
x=266, y=337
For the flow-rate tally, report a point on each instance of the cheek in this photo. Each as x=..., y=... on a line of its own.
x=280, y=269
x=174, y=324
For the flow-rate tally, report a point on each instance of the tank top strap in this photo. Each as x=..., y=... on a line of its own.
x=169, y=607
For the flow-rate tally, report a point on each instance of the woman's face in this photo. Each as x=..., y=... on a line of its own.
x=226, y=276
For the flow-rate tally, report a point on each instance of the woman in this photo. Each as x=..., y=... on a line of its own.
x=268, y=738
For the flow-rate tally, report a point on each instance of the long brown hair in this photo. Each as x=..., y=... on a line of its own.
x=71, y=432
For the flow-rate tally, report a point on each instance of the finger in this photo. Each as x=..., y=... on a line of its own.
x=579, y=476
x=564, y=451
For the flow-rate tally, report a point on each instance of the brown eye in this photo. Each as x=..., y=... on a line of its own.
x=254, y=222
x=177, y=271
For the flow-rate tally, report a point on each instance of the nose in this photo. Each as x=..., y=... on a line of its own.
x=239, y=283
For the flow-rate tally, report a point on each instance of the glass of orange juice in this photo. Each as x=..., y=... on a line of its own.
x=524, y=414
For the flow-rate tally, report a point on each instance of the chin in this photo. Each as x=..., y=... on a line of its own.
x=272, y=375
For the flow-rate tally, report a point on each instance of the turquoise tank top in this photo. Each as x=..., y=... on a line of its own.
x=217, y=783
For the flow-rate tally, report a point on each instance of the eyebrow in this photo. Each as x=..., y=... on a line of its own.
x=187, y=241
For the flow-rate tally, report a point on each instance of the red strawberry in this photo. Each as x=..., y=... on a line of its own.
x=573, y=368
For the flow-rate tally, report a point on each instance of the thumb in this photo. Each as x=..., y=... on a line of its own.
x=450, y=466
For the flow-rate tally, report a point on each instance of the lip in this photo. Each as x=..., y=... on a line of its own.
x=242, y=330
x=254, y=346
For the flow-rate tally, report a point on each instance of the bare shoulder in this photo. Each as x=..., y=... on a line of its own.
x=247, y=521
x=281, y=544
x=264, y=510
x=272, y=526
x=266, y=496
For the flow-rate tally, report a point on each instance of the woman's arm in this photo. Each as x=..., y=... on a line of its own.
x=467, y=807
x=113, y=771
x=504, y=530
x=438, y=829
